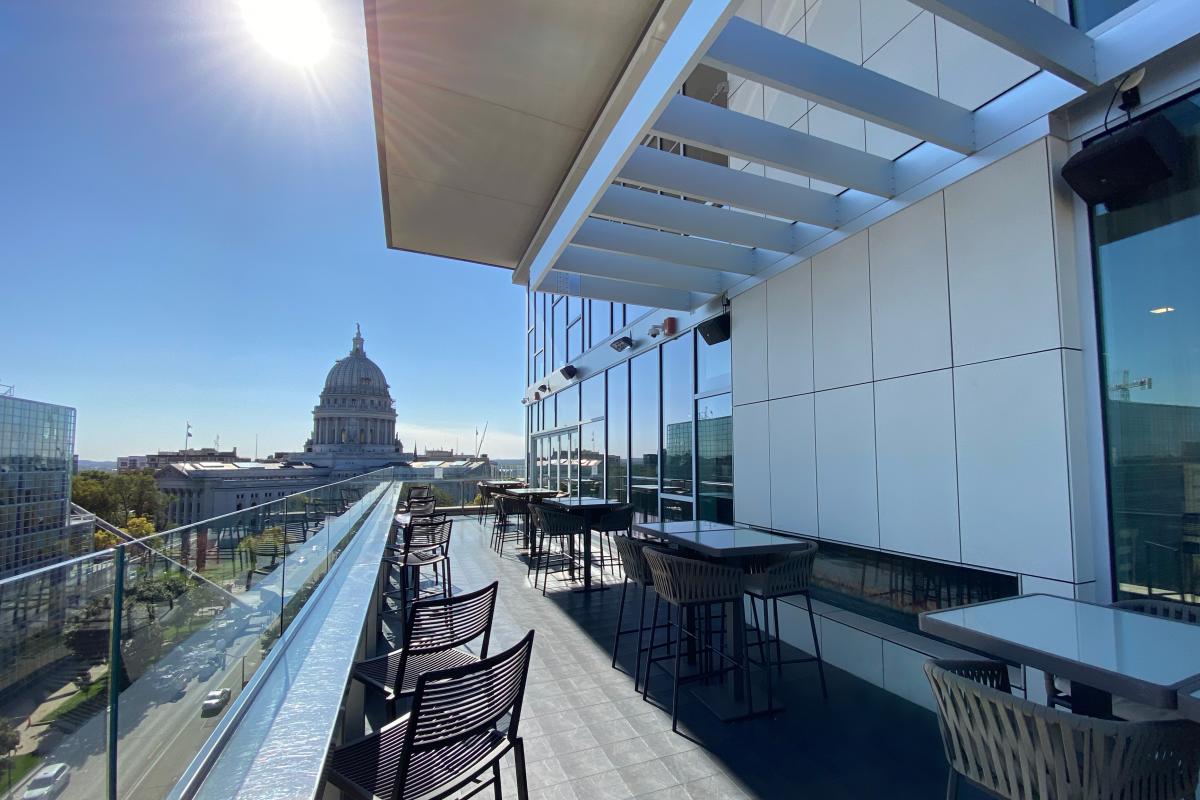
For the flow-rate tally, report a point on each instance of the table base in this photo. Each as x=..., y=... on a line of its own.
x=721, y=698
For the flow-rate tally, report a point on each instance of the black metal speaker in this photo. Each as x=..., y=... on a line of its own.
x=715, y=330
x=1117, y=169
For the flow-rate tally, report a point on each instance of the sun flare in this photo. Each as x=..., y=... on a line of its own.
x=295, y=31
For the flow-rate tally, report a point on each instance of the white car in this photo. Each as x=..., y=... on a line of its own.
x=48, y=783
x=214, y=701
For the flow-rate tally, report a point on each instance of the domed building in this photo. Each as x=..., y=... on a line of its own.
x=356, y=415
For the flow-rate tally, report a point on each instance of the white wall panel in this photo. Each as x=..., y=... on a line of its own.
x=1014, y=498
x=1088, y=538
x=918, y=479
x=883, y=19
x=910, y=306
x=904, y=674
x=793, y=465
x=789, y=332
x=847, y=648
x=1000, y=246
x=842, y=314
x=846, y=494
x=909, y=57
x=748, y=328
x=784, y=16
x=972, y=71
x=751, y=465
x=833, y=26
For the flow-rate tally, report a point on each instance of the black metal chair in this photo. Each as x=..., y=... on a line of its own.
x=463, y=721
x=510, y=522
x=637, y=572
x=415, y=492
x=617, y=521
x=690, y=584
x=435, y=634
x=789, y=576
x=560, y=527
x=426, y=543
x=1151, y=606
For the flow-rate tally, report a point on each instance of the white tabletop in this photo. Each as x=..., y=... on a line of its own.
x=1141, y=657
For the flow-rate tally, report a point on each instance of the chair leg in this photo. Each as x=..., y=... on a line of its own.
x=519, y=762
x=650, y=647
x=952, y=785
x=767, y=664
x=812, y=622
x=637, y=659
x=762, y=632
x=448, y=587
x=778, y=640
x=496, y=790
x=675, y=675
x=620, y=615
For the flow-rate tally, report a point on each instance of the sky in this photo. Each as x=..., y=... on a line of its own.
x=190, y=229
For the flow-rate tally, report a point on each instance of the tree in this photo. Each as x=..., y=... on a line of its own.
x=10, y=740
x=138, y=527
x=117, y=496
x=102, y=539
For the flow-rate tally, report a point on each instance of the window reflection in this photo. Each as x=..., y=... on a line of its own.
x=618, y=432
x=714, y=458
x=1149, y=308
x=643, y=456
x=713, y=372
x=677, y=416
x=592, y=398
x=591, y=460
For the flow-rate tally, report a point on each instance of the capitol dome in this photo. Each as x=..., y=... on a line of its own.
x=356, y=413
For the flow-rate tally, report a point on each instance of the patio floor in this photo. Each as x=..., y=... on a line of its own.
x=589, y=735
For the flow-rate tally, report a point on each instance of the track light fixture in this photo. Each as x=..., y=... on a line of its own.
x=623, y=343
x=568, y=371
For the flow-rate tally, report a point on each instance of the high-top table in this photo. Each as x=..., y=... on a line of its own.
x=530, y=494
x=1102, y=650
x=591, y=509
x=736, y=544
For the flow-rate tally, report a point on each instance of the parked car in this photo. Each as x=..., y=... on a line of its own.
x=47, y=783
x=214, y=701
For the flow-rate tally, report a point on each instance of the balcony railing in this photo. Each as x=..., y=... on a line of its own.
x=123, y=664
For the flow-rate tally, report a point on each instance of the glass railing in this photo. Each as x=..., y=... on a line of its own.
x=121, y=663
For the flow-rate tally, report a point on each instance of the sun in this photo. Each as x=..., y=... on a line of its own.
x=295, y=31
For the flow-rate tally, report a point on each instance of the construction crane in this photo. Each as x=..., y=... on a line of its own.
x=1122, y=389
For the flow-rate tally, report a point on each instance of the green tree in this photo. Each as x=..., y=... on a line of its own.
x=117, y=496
x=138, y=526
x=102, y=539
x=10, y=740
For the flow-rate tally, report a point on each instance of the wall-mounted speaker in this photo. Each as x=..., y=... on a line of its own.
x=715, y=330
x=1117, y=169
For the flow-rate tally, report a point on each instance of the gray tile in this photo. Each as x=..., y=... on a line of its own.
x=647, y=777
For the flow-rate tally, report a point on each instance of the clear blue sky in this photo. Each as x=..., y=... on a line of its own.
x=190, y=228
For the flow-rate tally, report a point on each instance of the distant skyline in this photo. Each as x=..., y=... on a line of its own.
x=190, y=229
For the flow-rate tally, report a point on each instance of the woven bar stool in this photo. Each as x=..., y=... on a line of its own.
x=556, y=526
x=1018, y=750
x=790, y=576
x=510, y=521
x=617, y=521
x=689, y=583
x=485, y=499
x=636, y=572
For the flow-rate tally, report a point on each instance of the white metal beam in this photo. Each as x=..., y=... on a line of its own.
x=635, y=269
x=626, y=204
x=1024, y=29
x=658, y=169
x=617, y=237
x=638, y=294
x=783, y=63
x=715, y=128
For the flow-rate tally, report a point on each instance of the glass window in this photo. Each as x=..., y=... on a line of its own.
x=601, y=321
x=592, y=398
x=1087, y=14
x=532, y=360
x=617, y=419
x=633, y=313
x=539, y=323
x=574, y=305
x=643, y=453
x=677, y=397
x=1148, y=293
x=574, y=341
x=559, y=342
x=713, y=372
x=591, y=460
x=714, y=458
x=568, y=405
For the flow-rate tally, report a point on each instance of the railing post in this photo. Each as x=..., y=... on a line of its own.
x=114, y=668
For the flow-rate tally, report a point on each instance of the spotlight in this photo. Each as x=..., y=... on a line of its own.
x=568, y=371
x=544, y=388
x=624, y=343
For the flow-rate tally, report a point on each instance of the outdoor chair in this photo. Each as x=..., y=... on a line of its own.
x=464, y=720
x=485, y=499
x=787, y=577
x=436, y=633
x=1154, y=607
x=1018, y=750
x=426, y=543
x=689, y=584
x=619, y=520
x=417, y=492
x=510, y=522
x=558, y=527
x=633, y=562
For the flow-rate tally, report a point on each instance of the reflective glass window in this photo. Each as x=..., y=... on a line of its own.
x=617, y=426
x=677, y=397
x=713, y=371
x=714, y=458
x=592, y=397
x=643, y=458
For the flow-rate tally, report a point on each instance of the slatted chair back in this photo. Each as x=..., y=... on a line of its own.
x=1167, y=609
x=417, y=491
x=615, y=521
x=427, y=534
x=459, y=716
x=633, y=559
x=443, y=623
x=422, y=506
x=1019, y=750
x=683, y=581
x=791, y=574
x=557, y=523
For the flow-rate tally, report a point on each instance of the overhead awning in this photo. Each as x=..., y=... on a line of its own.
x=658, y=208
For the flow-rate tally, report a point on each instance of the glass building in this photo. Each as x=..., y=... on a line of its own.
x=37, y=446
